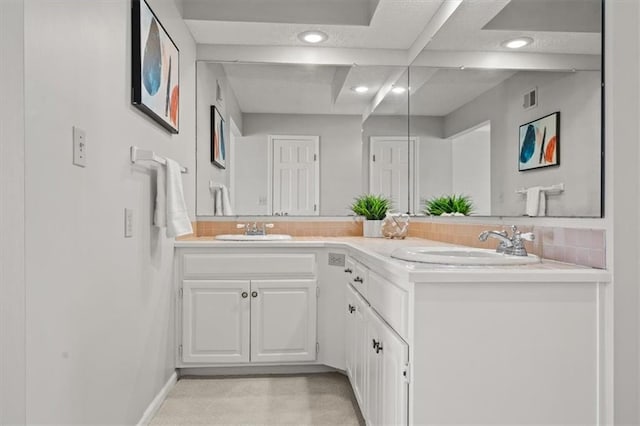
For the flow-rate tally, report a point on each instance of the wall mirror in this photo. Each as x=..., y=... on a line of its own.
x=299, y=140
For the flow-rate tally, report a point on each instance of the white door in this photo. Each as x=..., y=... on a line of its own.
x=359, y=348
x=283, y=320
x=390, y=170
x=296, y=175
x=388, y=389
x=215, y=321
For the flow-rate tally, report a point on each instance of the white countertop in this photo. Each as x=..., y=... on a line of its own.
x=376, y=253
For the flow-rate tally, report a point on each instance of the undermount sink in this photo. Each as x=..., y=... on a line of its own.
x=461, y=256
x=243, y=237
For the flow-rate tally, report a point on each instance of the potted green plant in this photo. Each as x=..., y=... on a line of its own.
x=449, y=205
x=374, y=208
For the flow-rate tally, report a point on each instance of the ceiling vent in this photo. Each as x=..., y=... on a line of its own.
x=530, y=99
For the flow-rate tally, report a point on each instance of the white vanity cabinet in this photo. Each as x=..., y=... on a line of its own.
x=377, y=358
x=236, y=308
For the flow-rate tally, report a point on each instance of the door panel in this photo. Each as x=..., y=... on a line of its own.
x=295, y=175
x=283, y=320
x=215, y=321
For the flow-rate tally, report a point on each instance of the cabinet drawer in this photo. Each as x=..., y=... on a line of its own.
x=356, y=275
x=220, y=265
x=390, y=301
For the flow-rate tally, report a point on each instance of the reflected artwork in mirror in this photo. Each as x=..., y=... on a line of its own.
x=447, y=125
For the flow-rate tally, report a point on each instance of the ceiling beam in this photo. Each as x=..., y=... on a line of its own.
x=438, y=20
x=312, y=55
x=339, y=79
x=383, y=92
x=508, y=61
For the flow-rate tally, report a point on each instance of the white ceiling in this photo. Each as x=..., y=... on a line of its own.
x=372, y=29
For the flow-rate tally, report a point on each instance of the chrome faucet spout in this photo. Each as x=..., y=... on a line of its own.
x=513, y=245
x=499, y=235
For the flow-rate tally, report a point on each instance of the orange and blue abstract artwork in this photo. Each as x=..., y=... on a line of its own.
x=156, y=64
x=539, y=143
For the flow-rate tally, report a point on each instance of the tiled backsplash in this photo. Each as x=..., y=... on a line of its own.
x=342, y=228
x=572, y=245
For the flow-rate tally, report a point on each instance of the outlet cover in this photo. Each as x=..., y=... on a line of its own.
x=336, y=259
x=79, y=147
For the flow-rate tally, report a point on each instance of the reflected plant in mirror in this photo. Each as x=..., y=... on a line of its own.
x=449, y=205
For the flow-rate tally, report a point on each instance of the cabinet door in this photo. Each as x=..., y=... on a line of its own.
x=283, y=320
x=215, y=321
x=355, y=342
x=387, y=368
x=350, y=332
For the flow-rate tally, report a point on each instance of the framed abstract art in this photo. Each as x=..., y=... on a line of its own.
x=218, y=138
x=155, y=63
x=539, y=143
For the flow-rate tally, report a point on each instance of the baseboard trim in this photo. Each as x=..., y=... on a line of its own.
x=154, y=406
x=255, y=370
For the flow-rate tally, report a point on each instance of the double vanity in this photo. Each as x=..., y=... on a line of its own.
x=422, y=343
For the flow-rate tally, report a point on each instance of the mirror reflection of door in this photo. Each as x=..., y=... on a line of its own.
x=295, y=175
x=390, y=173
x=471, y=167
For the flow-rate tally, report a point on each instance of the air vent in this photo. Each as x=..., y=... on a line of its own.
x=530, y=99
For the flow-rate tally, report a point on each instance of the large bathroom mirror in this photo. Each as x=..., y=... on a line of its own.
x=502, y=126
x=301, y=140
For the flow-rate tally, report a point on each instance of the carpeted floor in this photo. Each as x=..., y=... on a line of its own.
x=313, y=399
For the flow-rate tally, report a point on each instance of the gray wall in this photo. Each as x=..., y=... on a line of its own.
x=577, y=97
x=207, y=74
x=99, y=307
x=12, y=205
x=340, y=158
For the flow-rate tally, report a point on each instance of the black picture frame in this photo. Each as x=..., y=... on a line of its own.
x=218, y=138
x=155, y=68
x=539, y=143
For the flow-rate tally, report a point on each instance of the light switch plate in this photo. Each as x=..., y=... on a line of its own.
x=128, y=223
x=79, y=147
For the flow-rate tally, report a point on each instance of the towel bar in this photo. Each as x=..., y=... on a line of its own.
x=553, y=189
x=138, y=154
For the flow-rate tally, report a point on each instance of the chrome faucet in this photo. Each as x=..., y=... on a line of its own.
x=254, y=228
x=514, y=245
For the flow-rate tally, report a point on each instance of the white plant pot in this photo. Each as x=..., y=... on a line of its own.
x=372, y=228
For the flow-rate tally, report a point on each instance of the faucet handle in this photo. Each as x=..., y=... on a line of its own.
x=529, y=236
x=240, y=225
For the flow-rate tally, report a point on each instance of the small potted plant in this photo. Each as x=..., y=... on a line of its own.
x=374, y=208
x=449, y=205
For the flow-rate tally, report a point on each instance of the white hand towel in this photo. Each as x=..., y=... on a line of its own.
x=542, y=204
x=217, y=202
x=536, y=202
x=178, y=222
x=533, y=201
x=160, y=212
x=226, y=201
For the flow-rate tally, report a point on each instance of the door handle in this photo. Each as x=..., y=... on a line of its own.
x=254, y=294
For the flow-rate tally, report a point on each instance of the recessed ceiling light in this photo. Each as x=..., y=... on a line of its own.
x=398, y=90
x=517, y=43
x=313, y=37
x=360, y=89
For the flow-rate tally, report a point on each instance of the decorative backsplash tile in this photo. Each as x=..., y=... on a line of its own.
x=572, y=245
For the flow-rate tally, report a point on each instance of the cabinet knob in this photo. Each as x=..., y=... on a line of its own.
x=254, y=294
x=348, y=271
x=379, y=348
x=245, y=294
x=358, y=280
x=375, y=344
x=351, y=308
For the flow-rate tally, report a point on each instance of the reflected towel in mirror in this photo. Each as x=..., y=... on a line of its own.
x=536, y=201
